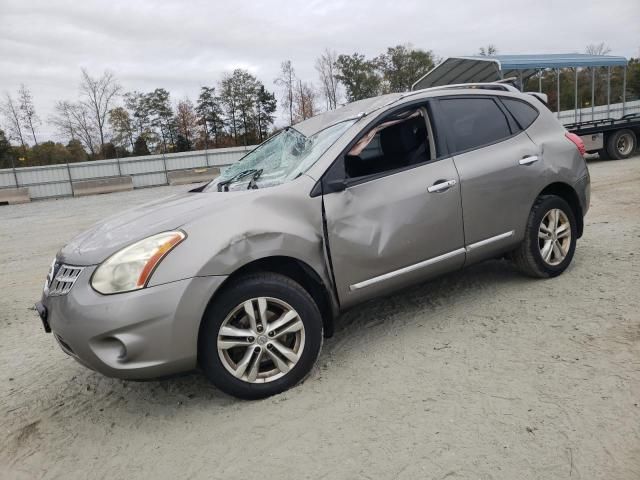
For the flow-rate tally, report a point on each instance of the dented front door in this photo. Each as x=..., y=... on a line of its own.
x=396, y=230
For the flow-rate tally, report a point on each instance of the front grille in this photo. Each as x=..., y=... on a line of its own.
x=64, y=279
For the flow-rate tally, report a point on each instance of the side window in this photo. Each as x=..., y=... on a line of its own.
x=524, y=113
x=394, y=144
x=474, y=122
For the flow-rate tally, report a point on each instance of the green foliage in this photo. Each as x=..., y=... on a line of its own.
x=402, y=65
x=140, y=146
x=182, y=143
x=122, y=126
x=108, y=150
x=393, y=71
x=359, y=76
x=210, y=116
x=138, y=114
x=76, y=151
x=7, y=157
x=567, y=86
x=248, y=106
x=161, y=115
x=266, y=106
x=47, y=153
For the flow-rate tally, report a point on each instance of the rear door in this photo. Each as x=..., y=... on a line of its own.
x=499, y=168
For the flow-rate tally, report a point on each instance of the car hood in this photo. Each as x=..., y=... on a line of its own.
x=112, y=234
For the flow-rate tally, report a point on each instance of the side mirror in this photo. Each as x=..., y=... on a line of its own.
x=335, y=185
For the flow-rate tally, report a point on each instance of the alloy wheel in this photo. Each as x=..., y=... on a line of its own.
x=554, y=236
x=261, y=340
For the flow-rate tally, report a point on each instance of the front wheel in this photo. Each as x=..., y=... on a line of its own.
x=261, y=336
x=550, y=239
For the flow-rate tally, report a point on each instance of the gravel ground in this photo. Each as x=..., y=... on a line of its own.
x=481, y=374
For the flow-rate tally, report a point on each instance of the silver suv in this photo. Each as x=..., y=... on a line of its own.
x=244, y=276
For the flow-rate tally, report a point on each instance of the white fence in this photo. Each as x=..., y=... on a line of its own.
x=151, y=170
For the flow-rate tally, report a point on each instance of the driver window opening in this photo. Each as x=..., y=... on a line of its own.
x=394, y=144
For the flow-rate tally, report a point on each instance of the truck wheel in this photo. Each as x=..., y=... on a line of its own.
x=621, y=144
x=550, y=239
x=260, y=336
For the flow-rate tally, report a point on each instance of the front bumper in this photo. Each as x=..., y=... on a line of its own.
x=143, y=334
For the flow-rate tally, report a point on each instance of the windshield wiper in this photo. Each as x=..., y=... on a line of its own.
x=252, y=172
x=254, y=179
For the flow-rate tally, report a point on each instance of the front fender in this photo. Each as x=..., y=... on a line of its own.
x=277, y=221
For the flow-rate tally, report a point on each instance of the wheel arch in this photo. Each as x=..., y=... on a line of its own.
x=298, y=271
x=567, y=193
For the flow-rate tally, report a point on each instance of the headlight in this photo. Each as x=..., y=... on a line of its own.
x=130, y=268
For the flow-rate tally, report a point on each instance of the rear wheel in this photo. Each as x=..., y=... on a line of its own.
x=621, y=144
x=261, y=336
x=550, y=239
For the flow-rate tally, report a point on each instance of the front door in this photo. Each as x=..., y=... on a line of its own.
x=399, y=219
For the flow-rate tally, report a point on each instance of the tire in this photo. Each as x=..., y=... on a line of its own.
x=528, y=257
x=268, y=371
x=621, y=144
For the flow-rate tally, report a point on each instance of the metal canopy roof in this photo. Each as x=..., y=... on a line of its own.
x=493, y=68
x=556, y=60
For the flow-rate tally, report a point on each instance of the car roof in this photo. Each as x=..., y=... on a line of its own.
x=367, y=106
x=349, y=111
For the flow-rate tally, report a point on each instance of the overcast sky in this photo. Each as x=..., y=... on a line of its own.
x=182, y=45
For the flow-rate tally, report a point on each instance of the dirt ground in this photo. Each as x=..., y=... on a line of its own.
x=482, y=374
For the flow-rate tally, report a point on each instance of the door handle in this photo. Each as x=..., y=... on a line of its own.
x=442, y=186
x=528, y=160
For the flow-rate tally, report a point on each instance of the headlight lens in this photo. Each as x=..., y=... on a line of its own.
x=130, y=268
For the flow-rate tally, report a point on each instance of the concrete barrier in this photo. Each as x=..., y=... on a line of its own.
x=195, y=175
x=102, y=185
x=11, y=196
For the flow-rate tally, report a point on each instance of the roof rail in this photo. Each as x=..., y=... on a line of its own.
x=502, y=86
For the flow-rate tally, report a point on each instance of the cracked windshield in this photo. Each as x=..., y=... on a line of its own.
x=283, y=157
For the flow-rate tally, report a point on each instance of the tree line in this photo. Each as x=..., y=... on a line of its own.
x=105, y=121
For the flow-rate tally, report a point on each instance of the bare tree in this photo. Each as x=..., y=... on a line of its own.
x=98, y=94
x=62, y=120
x=75, y=120
x=186, y=120
x=597, y=49
x=28, y=111
x=11, y=112
x=327, y=70
x=287, y=80
x=304, y=101
x=85, y=128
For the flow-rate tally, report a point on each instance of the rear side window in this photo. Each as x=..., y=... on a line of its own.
x=474, y=122
x=524, y=113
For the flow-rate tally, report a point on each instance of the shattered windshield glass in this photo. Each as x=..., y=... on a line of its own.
x=283, y=157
